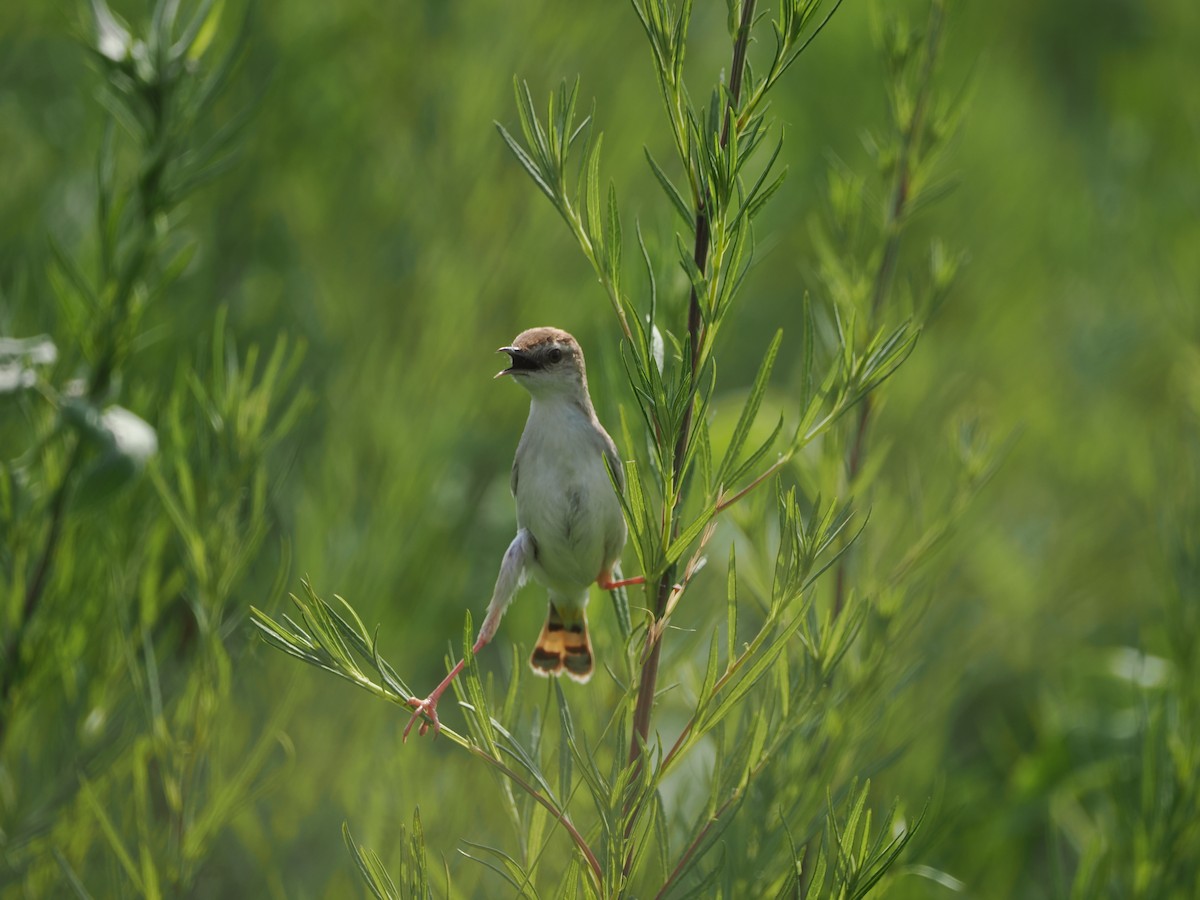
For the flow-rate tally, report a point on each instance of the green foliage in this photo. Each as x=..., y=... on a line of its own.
x=166, y=516
x=953, y=495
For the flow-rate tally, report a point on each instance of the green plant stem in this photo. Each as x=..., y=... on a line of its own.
x=10, y=666
x=695, y=844
x=885, y=274
x=649, y=674
x=559, y=815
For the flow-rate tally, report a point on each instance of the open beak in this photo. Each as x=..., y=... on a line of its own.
x=519, y=361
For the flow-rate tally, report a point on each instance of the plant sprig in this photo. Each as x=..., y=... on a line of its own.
x=729, y=152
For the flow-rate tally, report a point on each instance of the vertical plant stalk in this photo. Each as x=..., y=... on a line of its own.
x=649, y=674
x=9, y=667
x=897, y=209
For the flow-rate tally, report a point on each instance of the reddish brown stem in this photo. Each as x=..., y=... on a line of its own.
x=649, y=676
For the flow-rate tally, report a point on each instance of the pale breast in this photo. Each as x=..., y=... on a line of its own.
x=566, y=500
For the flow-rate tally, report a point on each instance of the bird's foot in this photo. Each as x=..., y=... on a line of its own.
x=426, y=710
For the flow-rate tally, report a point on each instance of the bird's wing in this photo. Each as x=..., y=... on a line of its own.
x=522, y=451
x=613, y=458
x=513, y=570
x=615, y=536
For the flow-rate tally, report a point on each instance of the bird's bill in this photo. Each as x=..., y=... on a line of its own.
x=520, y=362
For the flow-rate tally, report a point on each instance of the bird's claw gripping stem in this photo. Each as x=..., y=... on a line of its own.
x=426, y=711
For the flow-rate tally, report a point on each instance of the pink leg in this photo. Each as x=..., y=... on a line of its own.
x=511, y=577
x=428, y=706
x=607, y=584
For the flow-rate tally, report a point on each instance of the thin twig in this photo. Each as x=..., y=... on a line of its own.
x=727, y=501
x=559, y=815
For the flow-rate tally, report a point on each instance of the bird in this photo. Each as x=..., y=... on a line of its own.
x=570, y=526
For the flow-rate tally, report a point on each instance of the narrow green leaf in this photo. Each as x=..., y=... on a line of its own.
x=705, y=695
x=282, y=638
x=566, y=744
x=703, y=443
x=816, y=886
x=784, y=685
x=592, y=167
x=198, y=34
x=756, y=206
x=613, y=243
x=810, y=578
x=417, y=855
x=507, y=867
x=509, y=708
x=680, y=205
x=697, y=279
x=74, y=273
x=221, y=72
x=639, y=515
x=812, y=35
x=77, y=886
x=689, y=534
x=110, y=833
x=851, y=827
x=757, y=454
x=649, y=273
x=754, y=200
x=531, y=127
x=750, y=410
x=662, y=838
x=810, y=328
x=528, y=164
x=567, y=135
x=731, y=608
x=646, y=825
x=478, y=714
x=735, y=692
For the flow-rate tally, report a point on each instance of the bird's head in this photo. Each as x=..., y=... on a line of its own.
x=546, y=362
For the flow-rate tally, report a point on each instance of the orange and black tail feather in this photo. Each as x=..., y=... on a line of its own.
x=564, y=646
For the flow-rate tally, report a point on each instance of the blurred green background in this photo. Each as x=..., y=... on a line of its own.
x=374, y=212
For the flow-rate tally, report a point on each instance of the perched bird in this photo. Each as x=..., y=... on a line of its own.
x=570, y=529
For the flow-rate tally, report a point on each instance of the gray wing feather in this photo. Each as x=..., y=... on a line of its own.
x=515, y=477
x=614, y=459
x=615, y=539
x=514, y=568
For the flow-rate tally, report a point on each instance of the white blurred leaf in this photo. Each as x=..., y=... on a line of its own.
x=132, y=436
x=16, y=357
x=112, y=38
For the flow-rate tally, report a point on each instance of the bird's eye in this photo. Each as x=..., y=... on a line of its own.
x=555, y=355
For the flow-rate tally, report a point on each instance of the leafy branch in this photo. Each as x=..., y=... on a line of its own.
x=152, y=91
x=339, y=643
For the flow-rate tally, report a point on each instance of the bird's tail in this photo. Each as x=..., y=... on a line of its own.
x=564, y=645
